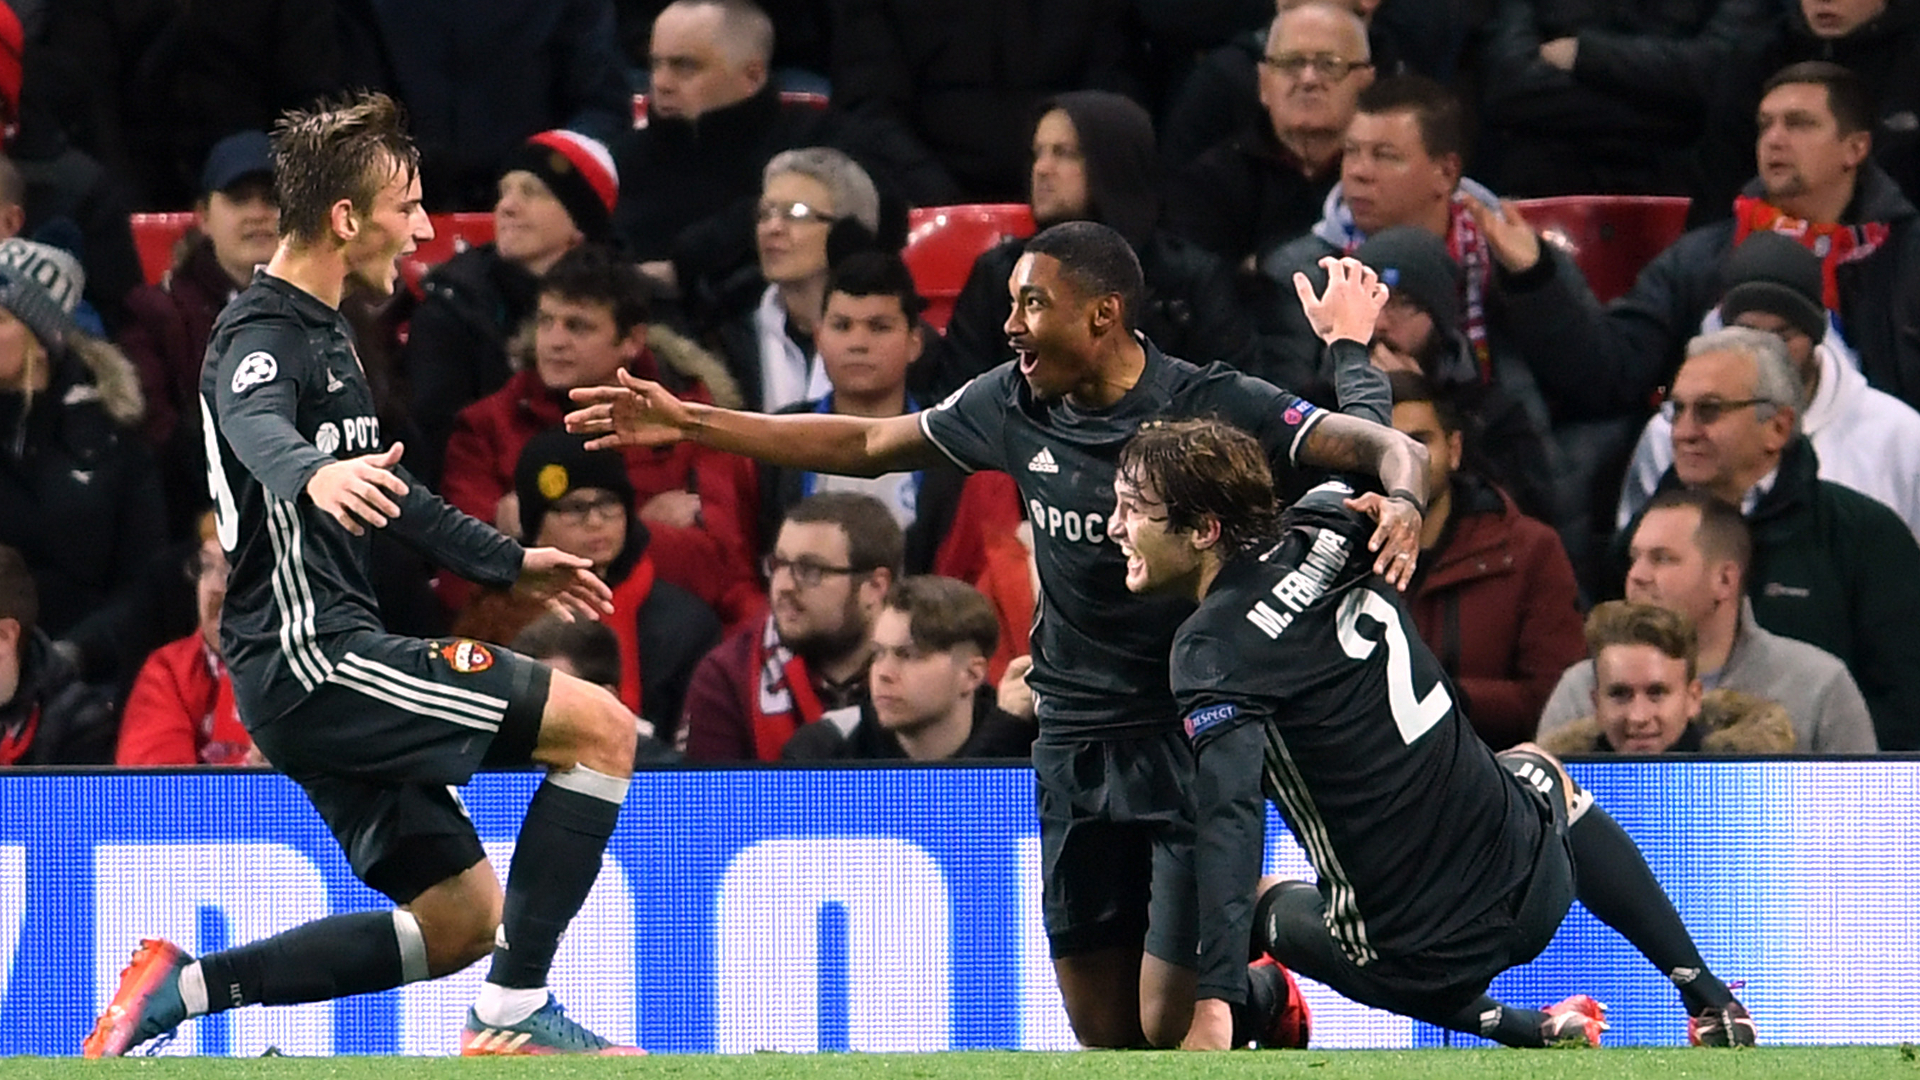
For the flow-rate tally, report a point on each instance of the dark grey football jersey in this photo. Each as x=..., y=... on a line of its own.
x=1099, y=652
x=1413, y=826
x=283, y=394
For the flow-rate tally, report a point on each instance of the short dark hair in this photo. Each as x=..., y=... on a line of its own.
x=1097, y=259
x=944, y=613
x=1442, y=120
x=1408, y=387
x=19, y=597
x=874, y=539
x=347, y=148
x=1202, y=469
x=1847, y=96
x=1722, y=535
x=591, y=274
x=1622, y=622
x=877, y=273
x=590, y=647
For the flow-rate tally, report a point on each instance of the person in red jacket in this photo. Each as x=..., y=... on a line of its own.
x=181, y=711
x=165, y=334
x=698, y=504
x=1495, y=597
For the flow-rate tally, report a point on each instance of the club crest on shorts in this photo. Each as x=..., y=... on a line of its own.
x=466, y=656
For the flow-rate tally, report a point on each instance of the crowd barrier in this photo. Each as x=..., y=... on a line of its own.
x=896, y=908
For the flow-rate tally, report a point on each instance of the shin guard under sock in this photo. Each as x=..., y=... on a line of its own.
x=555, y=863
x=328, y=958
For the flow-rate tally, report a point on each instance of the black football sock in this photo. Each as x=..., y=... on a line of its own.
x=1266, y=996
x=1617, y=886
x=1503, y=1024
x=325, y=959
x=555, y=862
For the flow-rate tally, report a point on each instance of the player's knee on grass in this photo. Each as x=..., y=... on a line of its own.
x=458, y=918
x=1095, y=987
x=1166, y=1001
x=584, y=724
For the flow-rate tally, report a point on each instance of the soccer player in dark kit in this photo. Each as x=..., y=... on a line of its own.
x=1441, y=864
x=375, y=727
x=1113, y=768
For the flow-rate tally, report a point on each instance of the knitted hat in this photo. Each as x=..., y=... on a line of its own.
x=1414, y=263
x=24, y=265
x=580, y=173
x=53, y=268
x=1777, y=275
x=554, y=463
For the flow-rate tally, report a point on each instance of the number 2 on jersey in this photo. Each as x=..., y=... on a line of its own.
x=1412, y=714
x=226, y=516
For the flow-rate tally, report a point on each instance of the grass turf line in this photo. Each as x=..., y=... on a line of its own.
x=1798, y=1063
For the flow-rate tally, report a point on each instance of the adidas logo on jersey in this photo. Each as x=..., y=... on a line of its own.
x=1043, y=462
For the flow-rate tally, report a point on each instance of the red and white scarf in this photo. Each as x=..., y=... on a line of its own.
x=1836, y=244
x=784, y=697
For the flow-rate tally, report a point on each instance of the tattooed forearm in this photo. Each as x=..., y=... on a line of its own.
x=1349, y=444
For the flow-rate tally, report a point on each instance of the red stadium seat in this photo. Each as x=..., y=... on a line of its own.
x=1611, y=237
x=452, y=234
x=154, y=236
x=944, y=241
x=787, y=97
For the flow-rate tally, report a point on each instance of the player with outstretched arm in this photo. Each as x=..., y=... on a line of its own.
x=1113, y=768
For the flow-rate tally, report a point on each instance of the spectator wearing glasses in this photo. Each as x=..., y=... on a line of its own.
x=837, y=555
x=1263, y=185
x=931, y=700
x=582, y=502
x=1866, y=439
x=804, y=193
x=181, y=709
x=1831, y=567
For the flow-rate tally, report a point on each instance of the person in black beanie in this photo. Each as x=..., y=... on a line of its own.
x=557, y=191
x=1422, y=331
x=1094, y=160
x=582, y=502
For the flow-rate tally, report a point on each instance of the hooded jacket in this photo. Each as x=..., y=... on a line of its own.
x=1866, y=440
x=1594, y=362
x=713, y=561
x=1836, y=569
x=1729, y=723
x=79, y=494
x=1191, y=308
x=1812, y=685
x=1495, y=600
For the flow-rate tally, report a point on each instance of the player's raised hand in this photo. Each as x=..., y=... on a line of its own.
x=1347, y=310
x=565, y=583
x=635, y=413
x=359, y=492
x=1397, y=538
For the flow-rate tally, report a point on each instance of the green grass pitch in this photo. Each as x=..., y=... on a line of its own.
x=1851, y=1063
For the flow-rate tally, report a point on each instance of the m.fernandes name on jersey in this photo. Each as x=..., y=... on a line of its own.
x=1299, y=589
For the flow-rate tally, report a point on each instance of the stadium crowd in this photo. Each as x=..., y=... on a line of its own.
x=1721, y=464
